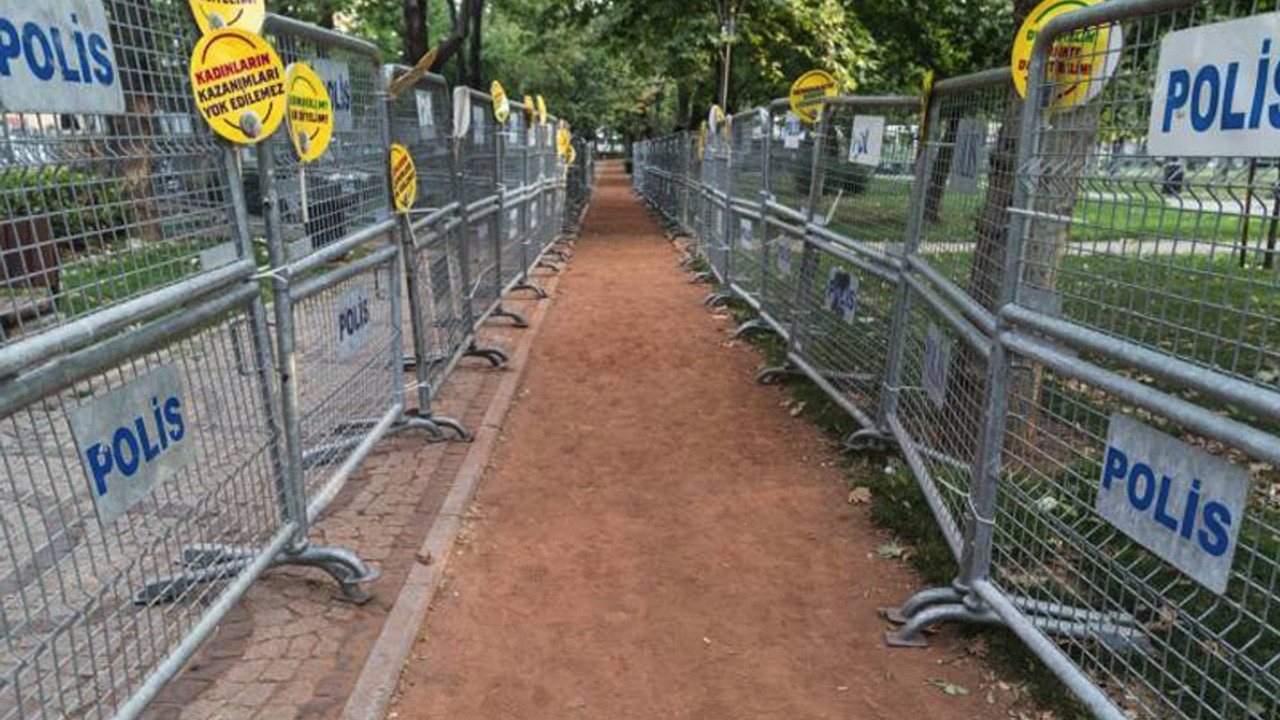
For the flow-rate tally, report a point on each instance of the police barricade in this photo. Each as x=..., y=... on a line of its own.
x=141, y=435
x=943, y=324
x=715, y=215
x=434, y=240
x=480, y=167
x=535, y=243
x=334, y=273
x=788, y=163
x=112, y=191
x=1132, y=421
x=553, y=168
x=847, y=283
x=745, y=136
x=518, y=189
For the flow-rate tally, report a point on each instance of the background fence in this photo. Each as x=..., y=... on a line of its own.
x=1067, y=333
x=201, y=344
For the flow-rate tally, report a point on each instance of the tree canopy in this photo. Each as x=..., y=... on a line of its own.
x=649, y=66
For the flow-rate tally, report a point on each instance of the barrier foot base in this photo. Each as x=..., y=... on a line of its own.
x=342, y=565
x=921, y=600
x=539, y=292
x=702, y=278
x=911, y=635
x=754, y=325
x=211, y=563
x=717, y=299
x=867, y=440
x=776, y=374
x=517, y=320
x=496, y=357
x=435, y=425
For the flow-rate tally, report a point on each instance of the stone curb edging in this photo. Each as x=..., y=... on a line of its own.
x=371, y=696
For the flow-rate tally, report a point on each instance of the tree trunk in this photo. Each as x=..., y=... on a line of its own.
x=684, y=100
x=416, y=42
x=477, y=45
x=941, y=169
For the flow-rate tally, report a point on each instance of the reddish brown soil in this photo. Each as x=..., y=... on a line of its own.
x=658, y=537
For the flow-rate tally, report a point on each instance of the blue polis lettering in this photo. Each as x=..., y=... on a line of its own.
x=1147, y=493
x=134, y=445
x=46, y=53
x=1212, y=94
x=353, y=319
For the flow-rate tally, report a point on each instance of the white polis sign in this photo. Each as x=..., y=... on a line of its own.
x=132, y=439
x=337, y=81
x=1217, y=91
x=1179, y=502
x=355, y=323
x=56, y=56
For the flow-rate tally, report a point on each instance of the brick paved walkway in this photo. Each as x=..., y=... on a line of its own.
x=289, y=650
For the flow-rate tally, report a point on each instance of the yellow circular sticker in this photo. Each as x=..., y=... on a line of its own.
x=404, y=178
x=310, y=112
x=808, y=92
x=1080, y=63
x=564, y=140
x=501, y=105
x=238, y=82
x=542, y=110
x=218, y=14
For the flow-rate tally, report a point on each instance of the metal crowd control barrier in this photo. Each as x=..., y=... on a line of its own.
x=163, y=443
x=1065, y=325
x=434, y=240
x=480, y=169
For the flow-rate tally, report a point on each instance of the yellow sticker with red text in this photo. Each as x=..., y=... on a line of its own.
x=808, y=93
x=404, y=178
x=238, y=83
x=310, y=112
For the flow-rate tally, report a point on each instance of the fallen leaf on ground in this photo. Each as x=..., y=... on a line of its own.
x=891, y=550
x=860, y=496
x=948, y=688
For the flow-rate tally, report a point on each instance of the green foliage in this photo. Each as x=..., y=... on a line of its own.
x=77, y=204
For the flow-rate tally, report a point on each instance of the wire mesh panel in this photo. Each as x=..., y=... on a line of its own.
x=782, y=246
x=118, y=469
x=866, y=167
x=1173, y=251
x=746, y=140
x=478, y=157
x=110, y=189
x=483, y=241
x=938, y=404
x=1158, y=642
x=971, y=150
x=840, y=332
x=348, y=354
x=346, y=190
x=1135, y=515
x=441, y=284
x=514, y=152
x=790, y=158
x=422, y=121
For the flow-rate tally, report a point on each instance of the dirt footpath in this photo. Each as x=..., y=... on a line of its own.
x=657, y=537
